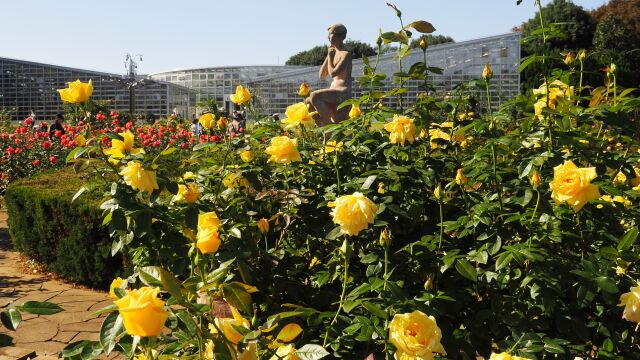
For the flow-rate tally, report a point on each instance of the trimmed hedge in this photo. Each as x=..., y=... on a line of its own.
x=66, y=236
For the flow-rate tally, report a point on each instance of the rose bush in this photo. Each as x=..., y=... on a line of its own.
x=431, y=230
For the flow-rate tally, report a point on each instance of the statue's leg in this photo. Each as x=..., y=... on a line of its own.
x=318, y=100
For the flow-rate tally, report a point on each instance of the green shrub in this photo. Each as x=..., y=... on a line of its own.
x=66, y=236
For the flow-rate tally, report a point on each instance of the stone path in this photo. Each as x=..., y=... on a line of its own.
x=47, y=335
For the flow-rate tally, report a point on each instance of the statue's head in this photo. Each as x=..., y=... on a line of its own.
x=337, y=33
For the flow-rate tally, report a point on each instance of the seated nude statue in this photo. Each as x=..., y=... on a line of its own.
x=338, y=65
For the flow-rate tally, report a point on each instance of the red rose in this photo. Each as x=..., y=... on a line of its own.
x=57, y=134
x=46, y=144
x=53, y=159
x=36, y=162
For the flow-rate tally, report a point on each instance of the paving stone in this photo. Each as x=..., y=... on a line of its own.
x=65, y=336
x=44, y=348
x=90, y=326
x=42, y=331
x=13, y=353
x=85, y=335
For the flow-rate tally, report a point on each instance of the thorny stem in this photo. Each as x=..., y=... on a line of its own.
x=344, y=291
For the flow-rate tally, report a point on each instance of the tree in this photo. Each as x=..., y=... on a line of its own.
x=432, y=40
x=615, y=43
x=572, y=28
x=315, y=56
x=627, y=11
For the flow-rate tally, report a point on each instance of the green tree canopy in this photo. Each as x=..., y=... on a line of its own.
x=432, y=40
x=315, y=56
x=615, y=43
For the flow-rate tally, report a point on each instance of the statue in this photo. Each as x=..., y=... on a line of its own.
x=338, y=65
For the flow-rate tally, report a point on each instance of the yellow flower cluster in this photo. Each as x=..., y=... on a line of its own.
x=572, y=185
x=353, y=213
x=142, y=312
x=401, y=129
x=557, y=93
x=615, y=199
x=416, y=336
x=298, y=115
x=208, y=238
x=121, y=148
x=76, y=92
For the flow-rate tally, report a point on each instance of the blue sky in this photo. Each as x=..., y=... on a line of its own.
x=181, y=34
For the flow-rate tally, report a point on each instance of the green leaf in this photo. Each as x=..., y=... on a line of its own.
x=235, y=232
x=367, y=183
x=112, y=328
x=41, y=308
x=375, y=309
x=106, y=309
x=467, y=270
x=422, y=26
x=311, y=352
x=187, y=320
x=607, y=285
x=157, y=276
x=82, y=350
x=628, y=239
x=82, y=189
x=235, y=294
x=11, y=318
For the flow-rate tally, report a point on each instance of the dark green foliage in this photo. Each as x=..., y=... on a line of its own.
x=45, y=225
x=615, y=43
x=432, y=40
x=315, y=56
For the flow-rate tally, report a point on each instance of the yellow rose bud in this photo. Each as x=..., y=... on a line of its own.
x=222, y=123
x=385, y=238
x=246, y=155
x=116, y=284
x=138, y=178
x=582, y=54
x=381, y=188
x=242, y=96
x=401, y=129
x=437, y=192
x=263, y=225
x=207, y=120
x=298, y=115
x=573, y=185
x=187, y=193
x=505, y=356
x=535, y=179
x=428, y=284
x=460, y=178
x=568, y=59
x=142, y=312
x=304, y=90
x=415, y=336
x=355, y=111
x=423, y=133
x=353, y=213
x=613, y=69
x=487, y=73
x=76, y=92
x=283, y=150
x=423, y=43
x=208, y=238
x=631, y=303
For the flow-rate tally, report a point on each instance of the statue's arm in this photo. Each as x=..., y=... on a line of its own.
x=324, y=69
x=340, y=66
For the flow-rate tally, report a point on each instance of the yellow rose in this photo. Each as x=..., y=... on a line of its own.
x=121, y=148
x=304, y=90
x=283, y=150
x=353, y=213
x=416, y=336
x=77, y=92
x=222, y=123
x=487, y=73
x=187, y=193
x=227, y=326
x=142, y=312
x=423, y=133
x=285, y=352
x=207, y=120
x=435, y=134
x=298, y=115
x=460, y=178
x=80, y=140
x=505, y=356
x=208, y=238
x=636, y=180
x=631, y=303
x=332, y=146
x=582, y=54
x=401, y=129
x=355, y=111
x=263, y=225
x=381, y=188
x=138, y=178
x=242, y=95
x=246, y=155
x=573, y=185
x=115, y=284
